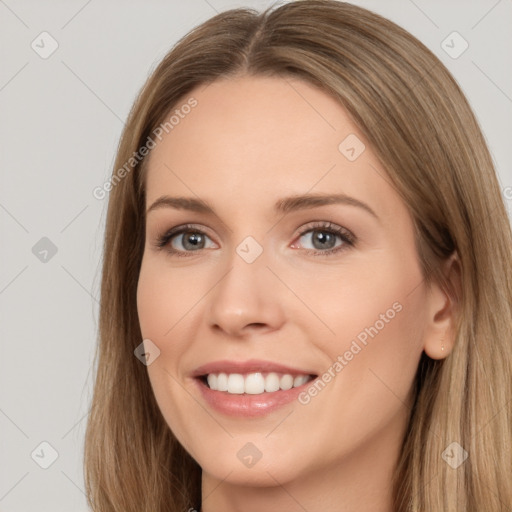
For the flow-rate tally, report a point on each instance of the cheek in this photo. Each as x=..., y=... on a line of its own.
x=375, y=316
x=380, y=292
x=162, y=301
x=163, y=298
x=373, y=358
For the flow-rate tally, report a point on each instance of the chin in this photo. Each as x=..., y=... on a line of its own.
x=260, y=475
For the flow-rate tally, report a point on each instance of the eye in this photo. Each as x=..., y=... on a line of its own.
x=188, y=237
x=192, y=239
x=324, y=235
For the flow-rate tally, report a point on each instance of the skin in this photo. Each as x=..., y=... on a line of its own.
x=249, y=142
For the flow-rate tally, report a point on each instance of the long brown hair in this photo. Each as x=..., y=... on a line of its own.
x=422, y=128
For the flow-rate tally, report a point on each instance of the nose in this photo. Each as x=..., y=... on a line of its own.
x=246, y=299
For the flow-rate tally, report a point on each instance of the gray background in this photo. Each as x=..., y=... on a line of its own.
x=61, y=118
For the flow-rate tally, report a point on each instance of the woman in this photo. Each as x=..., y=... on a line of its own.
x=239, y=368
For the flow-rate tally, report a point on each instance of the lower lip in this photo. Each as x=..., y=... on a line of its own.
x=246, y=405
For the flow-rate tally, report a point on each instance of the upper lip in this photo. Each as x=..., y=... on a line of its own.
x=248, y=366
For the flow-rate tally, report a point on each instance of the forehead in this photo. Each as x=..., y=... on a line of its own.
x=250, y=138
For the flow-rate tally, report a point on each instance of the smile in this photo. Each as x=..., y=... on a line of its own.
x=255, y=383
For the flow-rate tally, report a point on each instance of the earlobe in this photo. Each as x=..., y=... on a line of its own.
x=439, y=347
x=443, y=310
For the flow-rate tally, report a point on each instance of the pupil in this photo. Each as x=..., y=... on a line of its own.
x=322, y=236
x=191, y=239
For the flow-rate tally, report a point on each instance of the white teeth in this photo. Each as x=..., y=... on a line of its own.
x=236, y=383
x=272, y=382
x=254, y=383
x=212, y=381
x=286, y=382
x=222, y=382
x=300, y=380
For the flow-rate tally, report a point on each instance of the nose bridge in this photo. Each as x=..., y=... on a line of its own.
x=245, y=285
x=246, y=294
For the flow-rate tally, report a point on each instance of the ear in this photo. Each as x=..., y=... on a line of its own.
x=443, y=305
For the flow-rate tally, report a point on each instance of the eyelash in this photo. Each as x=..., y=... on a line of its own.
x=346, y=236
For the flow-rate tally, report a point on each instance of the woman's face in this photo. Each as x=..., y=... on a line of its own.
x=324, y=287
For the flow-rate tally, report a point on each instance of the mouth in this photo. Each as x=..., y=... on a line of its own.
x=251, y=388
x=256, y=383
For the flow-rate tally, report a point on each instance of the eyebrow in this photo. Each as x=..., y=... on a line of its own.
x=283, y=205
